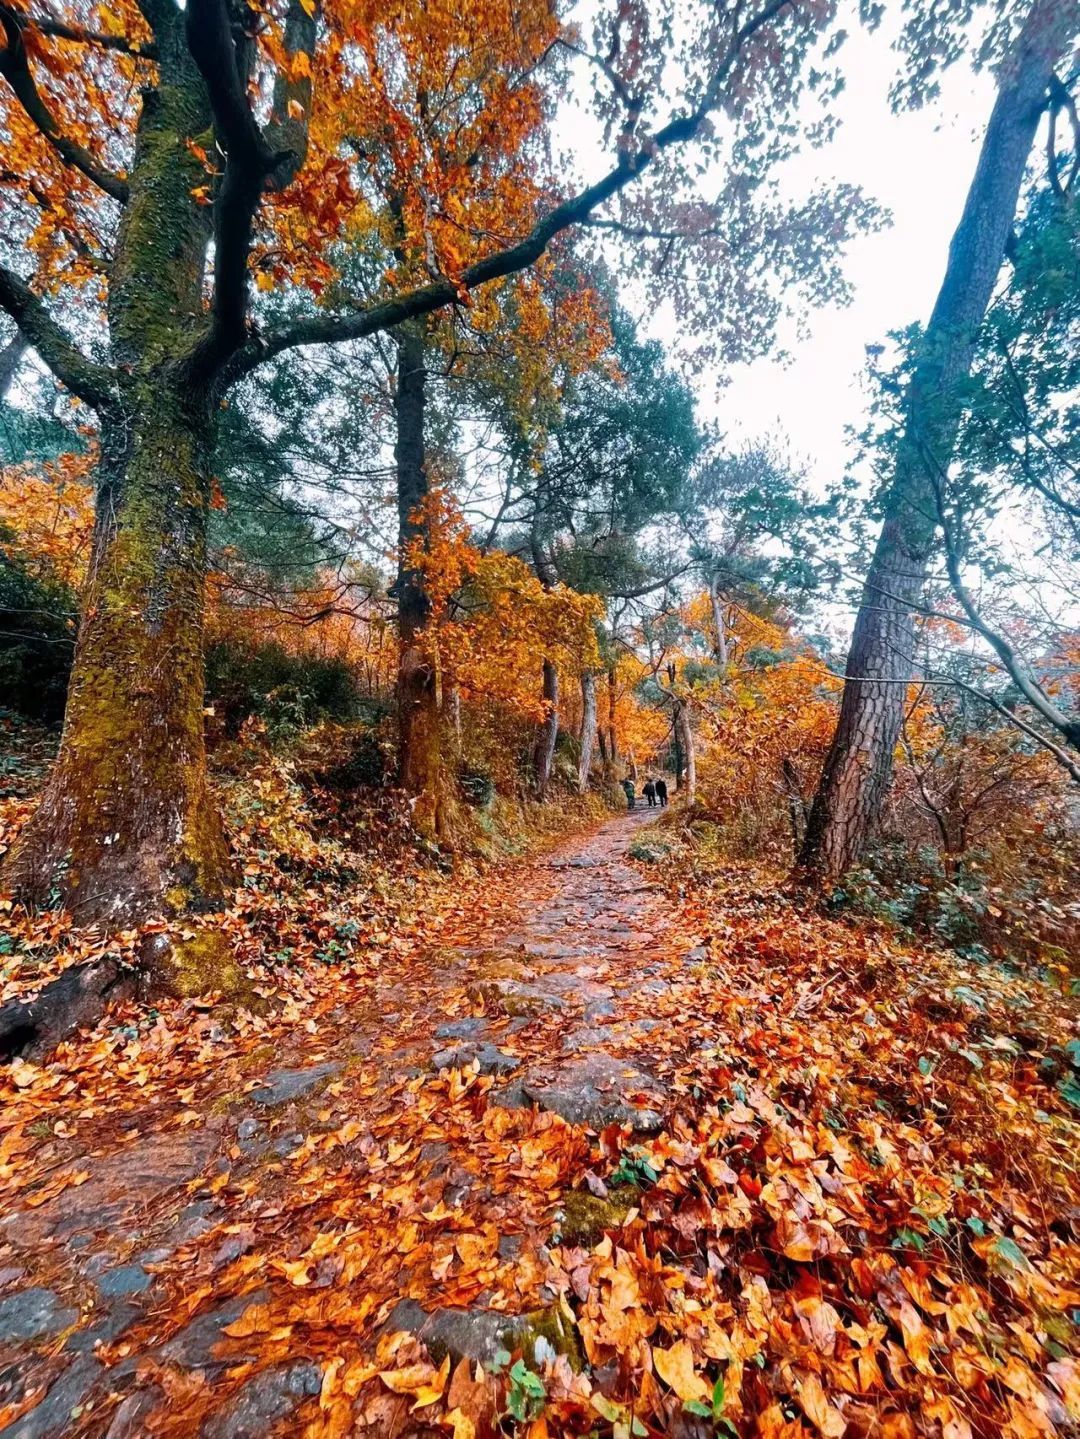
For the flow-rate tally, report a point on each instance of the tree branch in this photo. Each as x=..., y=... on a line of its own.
x=251, y=163
x=15, y=68
x=333, y=329
x=57, y=30
x=94, y=383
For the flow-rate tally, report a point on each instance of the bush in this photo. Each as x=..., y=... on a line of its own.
x=288, y=692
x=37, y=640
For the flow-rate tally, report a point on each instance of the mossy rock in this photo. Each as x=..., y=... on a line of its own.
x=479, y=1334
x=583, y=1218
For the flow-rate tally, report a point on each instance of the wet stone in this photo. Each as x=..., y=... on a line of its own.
x=478, y=1334
x=126, y=1279
x=462, y=1028
x=596, y=1090
x=127, y=1422
x=33, y=1314
x=109, y=1327
x=490, y=1059
x=193, y=1347
x=53, y=1415
x=285, y=1085
x=263, y=1400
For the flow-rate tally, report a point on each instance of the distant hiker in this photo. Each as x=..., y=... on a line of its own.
x=628, y=791
x=661, y=792
x=649, y=792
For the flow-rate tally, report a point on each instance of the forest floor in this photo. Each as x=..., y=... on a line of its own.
x=618, y=1149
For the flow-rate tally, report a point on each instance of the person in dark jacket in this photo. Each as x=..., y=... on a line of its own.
x=628, y=791
x=649, y=791
x=661, y=792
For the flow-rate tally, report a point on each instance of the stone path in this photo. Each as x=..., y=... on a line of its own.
x=114, y=1294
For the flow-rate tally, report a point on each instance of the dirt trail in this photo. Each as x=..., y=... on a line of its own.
x=406, y=1149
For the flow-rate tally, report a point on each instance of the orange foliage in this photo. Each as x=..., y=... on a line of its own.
x=50, y=515
x=492, y=621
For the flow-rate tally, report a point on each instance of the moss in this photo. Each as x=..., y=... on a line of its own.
x=545, y=1333
x=583, y=1218
x=204, y=963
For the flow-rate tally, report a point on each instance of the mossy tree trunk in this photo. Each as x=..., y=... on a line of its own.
x=420, y=728
x=880, y=662
x=588, y=729
x=126, y=829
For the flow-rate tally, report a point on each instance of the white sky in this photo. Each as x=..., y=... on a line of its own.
x=918, y=165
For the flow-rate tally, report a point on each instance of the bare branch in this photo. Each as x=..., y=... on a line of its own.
x=94, y=383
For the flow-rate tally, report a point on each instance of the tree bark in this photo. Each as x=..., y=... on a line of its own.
x=127, y=829
x=11, y=357
x=588, y=728
x=420, y=768
x=880, y=662
x=720, y=644
x=613, y=743
x=549, y=731
x=686, y=743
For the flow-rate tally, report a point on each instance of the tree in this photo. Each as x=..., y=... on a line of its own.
x=181, y=155
x=879, y=664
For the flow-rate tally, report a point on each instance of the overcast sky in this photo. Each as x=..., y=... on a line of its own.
x=917, y=166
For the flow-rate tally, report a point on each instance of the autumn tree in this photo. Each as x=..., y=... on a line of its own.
x=167, y=162
x=857, y=770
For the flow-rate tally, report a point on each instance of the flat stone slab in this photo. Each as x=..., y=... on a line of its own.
x=478, y=1334
x=52, y=1417
x=33, y=1314
x=470, y=1028
x=595, y=1090
x=490, y=1059
x=131, y=1179
x=285, y=1085
x=125, y=1279
x=263, y=1400
x=193, y=1347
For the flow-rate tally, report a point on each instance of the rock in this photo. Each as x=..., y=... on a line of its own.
x=53, y=1415
x=247, y=1129
x=128, y=1420
x=583, y=1218
x=284, y=1085
x=263, y=1400
x=515, y=997
x=595, y=1090
x=462, y=1028
x=510, y=1096
x=109, y=1327
x=490, y=1059
x=284, y=1146
x=127, y=1182
x=33, y=1314
x=193, y=1347
x=127, y=1279
x=478, y=1334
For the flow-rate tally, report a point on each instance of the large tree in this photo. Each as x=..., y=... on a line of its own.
x=181, y=154
x=880, y=660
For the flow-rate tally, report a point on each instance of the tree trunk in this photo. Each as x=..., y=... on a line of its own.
x=880, y=662
x=613, y=743
x=549, y=731
x=588, y=728
x=420, y=769
x=11, y=357
x=686, y=742
x=720, y=644
x=126, y=829
x=677, y=755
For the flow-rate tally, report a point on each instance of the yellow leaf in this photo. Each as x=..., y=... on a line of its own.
x=818, y=1410
x=675, y=1367
x=464, y=1428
